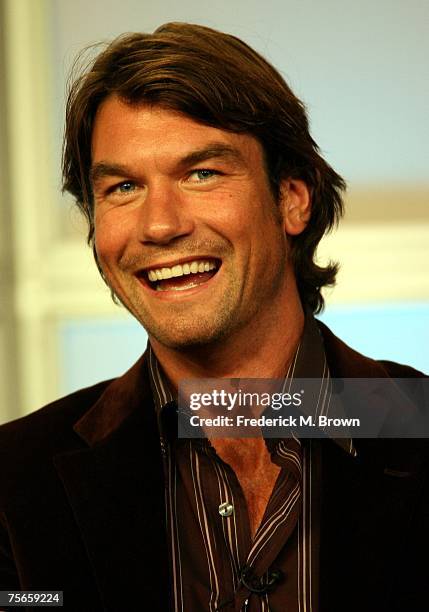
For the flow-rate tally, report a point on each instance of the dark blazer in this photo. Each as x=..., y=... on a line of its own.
x=82, y=504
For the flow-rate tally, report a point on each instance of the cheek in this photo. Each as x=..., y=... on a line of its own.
x=110, y=237
x=230, y=216
x=105, y=244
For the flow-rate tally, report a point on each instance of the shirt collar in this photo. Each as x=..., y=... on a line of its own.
x=309, y=362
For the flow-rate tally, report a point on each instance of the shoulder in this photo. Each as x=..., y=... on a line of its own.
x=397, y=455
x=55, y=418
x=28, y=444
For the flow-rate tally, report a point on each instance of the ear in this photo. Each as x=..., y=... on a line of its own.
x=295, y=201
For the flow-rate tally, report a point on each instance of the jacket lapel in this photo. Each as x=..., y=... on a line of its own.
x=367, y=504
x=366, y=521
x=116, y=490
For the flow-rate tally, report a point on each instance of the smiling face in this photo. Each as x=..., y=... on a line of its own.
x=187, y=231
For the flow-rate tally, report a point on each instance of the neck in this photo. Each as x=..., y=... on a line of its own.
x=264, y=349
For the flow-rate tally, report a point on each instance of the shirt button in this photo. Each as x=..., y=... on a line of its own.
x=226, y=509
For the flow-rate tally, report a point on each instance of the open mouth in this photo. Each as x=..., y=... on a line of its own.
x=182, y=276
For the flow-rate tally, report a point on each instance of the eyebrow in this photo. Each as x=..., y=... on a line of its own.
x=102, y=169
x=211, y=151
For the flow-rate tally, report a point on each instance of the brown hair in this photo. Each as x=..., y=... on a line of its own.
x=218, y=80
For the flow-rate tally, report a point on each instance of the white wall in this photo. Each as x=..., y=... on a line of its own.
x=360, y=67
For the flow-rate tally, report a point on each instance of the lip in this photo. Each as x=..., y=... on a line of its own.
x=171, y=294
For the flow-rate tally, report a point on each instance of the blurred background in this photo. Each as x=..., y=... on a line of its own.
x=362, y=70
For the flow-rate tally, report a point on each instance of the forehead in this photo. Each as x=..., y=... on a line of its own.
x=123, y=131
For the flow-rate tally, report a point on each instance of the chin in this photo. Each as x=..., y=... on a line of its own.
x=184, y=339
x=186, y=335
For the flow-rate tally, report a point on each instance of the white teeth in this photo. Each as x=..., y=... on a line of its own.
x=193, y=267
x=177, y=271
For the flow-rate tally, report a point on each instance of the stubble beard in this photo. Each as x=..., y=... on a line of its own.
x=187, y=328
x=205, y=325
x=196, y=327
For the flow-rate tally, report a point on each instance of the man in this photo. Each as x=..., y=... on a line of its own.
x=206, y=198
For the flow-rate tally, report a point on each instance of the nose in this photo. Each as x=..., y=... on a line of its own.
x=164, y=215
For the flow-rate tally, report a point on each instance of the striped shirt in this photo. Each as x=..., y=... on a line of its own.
x=215, y=564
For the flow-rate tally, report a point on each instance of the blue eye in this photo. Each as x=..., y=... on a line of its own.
x=126, y=187
x=202, y=175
